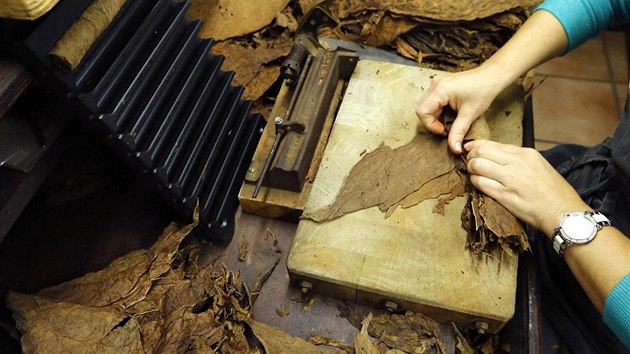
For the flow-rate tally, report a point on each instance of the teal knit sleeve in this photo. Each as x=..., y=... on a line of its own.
x=617, y=310
x=584, y=19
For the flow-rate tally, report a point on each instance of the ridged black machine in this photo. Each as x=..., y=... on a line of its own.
x=151, y=87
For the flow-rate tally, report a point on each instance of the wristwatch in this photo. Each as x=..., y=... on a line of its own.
x=580, y=227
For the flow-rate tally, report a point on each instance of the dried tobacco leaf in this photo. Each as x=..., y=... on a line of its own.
x=445, y=44
x=491, y=227
x=287, y=19
x=386, y=30
x=362, y=344
x=223, y=19
x=411, y=332
x=384, y=176
x=263, y=278
x=462, y=345
x=50, y=326
x=447, y=186
x=451, y=10
x=266, y=76
x=242, y=250
x=275, y=340
x=246, y=59
x=127, y=279
x=321, y=340
x=185, y=308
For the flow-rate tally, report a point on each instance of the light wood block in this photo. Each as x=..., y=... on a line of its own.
x=415, y=258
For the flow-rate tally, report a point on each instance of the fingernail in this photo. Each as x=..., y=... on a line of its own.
x=458, y=146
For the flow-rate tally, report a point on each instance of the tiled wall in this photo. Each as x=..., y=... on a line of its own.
x=583, y=94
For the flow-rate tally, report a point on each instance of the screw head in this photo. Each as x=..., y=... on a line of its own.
x=278, y=120
x=306, y=286
x=391, y=306
x=251, y=170
x=481, y=326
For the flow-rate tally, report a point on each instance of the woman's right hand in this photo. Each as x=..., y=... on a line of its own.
x=469, y=93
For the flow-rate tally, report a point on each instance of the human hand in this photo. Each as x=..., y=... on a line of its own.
x=523, y=182
x=469, y=93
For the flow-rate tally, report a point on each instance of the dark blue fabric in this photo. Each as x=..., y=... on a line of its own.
x=600, y=175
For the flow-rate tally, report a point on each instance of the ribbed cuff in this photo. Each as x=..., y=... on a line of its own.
x=581, y=19
x=617, y=310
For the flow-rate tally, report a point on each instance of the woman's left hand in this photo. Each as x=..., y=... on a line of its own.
x=523, y=182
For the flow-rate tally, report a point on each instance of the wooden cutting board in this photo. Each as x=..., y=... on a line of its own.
x=414, y=258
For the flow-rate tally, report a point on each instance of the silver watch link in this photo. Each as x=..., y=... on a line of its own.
x=580, y=227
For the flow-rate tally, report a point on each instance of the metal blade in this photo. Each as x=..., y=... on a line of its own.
x=365, y=52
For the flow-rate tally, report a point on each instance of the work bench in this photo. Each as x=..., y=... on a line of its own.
x=49, y=245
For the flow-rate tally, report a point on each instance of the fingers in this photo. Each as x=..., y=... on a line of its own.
x=432, y=123
x=459, y=129
x=486, y=168
x=497, y=152
x=429, y=110
x=488, y=186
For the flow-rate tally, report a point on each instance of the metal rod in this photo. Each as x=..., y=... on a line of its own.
x=270, y=157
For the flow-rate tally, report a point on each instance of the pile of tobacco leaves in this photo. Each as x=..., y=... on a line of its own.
x=454, y=35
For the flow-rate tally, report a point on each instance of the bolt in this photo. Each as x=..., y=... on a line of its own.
x=278, y=120
x=481, y=326
x=251, y=170
x=391, y=306
x=306, y=286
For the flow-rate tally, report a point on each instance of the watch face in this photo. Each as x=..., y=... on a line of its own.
x=578, y=227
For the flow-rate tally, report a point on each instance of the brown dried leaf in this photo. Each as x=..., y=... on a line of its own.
x=500, y=222
x=457, y=46
x=246, y=60
x=491, y=227
x=384, y=176
x=223, y=19
x=186, y=308
x=306, y=5
x=309, y=304
x=127, y=279
x=276, y=244
x=411, y=332
x=321, y=340
x=263, y=279
x=282, y=312
x=53, y=327
x=406, y=50
x=287, y=20
x=462, y=344
x=267, y=75
x=362, y=344
x=479, y=129
x=242, y=250
x=275, y=340
x=452, y=10
x=386, y=30
x=450, y=183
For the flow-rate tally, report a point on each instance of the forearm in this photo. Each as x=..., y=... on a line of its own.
x=598, y=265
x=541, y=38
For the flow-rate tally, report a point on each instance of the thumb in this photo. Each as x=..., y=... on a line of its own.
x=459, y=129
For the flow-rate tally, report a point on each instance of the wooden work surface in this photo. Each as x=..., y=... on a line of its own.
x=415, y=258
